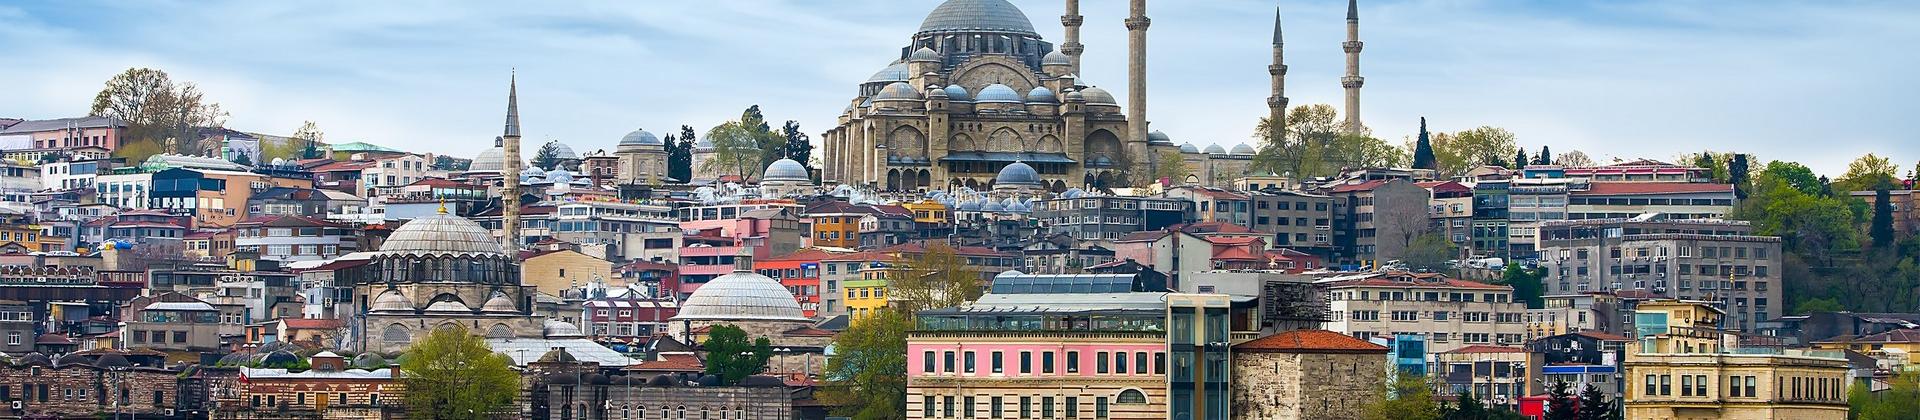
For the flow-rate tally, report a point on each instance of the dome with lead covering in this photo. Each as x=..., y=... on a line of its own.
x=896, y=72
x=441, y=234
x=391, y=301
x=1017, y=174
x=1157, y=137
x=977, y=16
x=955, y=93
x=561, y=151
x=490, y=160
x=1215, y=149
x=556, y=328
x=499, y=303
x=1040, y=94
x=1098, y=96
x=1055, y=57
x=898, y=91
x=741, y=296
x=1188, y=148
x=923, y=54
x=639, y=139
x=786, y=170
x=1243, y=149
x=998, y=93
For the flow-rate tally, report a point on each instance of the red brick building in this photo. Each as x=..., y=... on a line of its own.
x=330, y=389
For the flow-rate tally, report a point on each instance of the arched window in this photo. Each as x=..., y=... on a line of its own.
x=1131, y=396
x=500, y=331
x=395, y=333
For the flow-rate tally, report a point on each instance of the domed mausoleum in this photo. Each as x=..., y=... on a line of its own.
x=442, y=270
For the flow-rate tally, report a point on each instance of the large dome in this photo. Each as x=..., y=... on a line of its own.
x=639, y=138
x=1017, y=173
x=441, y=234
x=977, y=16
x=490, y=160
x=562, y=151
x=741, y=296
x=786, y=170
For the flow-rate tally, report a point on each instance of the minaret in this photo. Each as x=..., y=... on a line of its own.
x=1137, y=23
x=1277, y=104
x=1353, y=80
x=510, y=172
x=1072, y=47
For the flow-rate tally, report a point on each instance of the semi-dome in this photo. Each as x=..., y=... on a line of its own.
x=787, y=170
x=955, y=93
x=1097, y=96
x=499, y=303
x=741, y=296
x=639, y=138
x=898, y=91
x=441, y=234
x=998, y=93
x=977, y=16
x=448, y=306
x=556, y=328
x=562, y=151
x=923, y=54
x=1243, y=149
x=1056, y=57
x=1040, y=94
x=1017, y=173
x=896, y=72
x=1215, y=149
x=391, y=301
x=1188, y=148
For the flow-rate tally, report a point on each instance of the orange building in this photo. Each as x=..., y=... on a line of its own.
x=799, y=272
x=836, y=224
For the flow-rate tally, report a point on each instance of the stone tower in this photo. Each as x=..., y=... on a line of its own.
x=1277, y=104
x=1137, y=23
x=510, y=171
x=1352, y=81
x=1072, y=47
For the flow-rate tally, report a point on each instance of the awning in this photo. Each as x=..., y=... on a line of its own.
x=1007, y=157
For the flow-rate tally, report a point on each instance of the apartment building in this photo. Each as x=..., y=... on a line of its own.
x=1449, y=313
x=1678, y=200
x=1450, y=213
x=1296, y=220
x=1683, y=366
x=1107, y=218
x=1374, y=221
x=1719, y=261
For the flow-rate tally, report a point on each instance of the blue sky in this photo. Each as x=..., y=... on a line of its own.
x=1817, y=82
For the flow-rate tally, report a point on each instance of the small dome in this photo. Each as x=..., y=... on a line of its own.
x=639, y=138
x=896, y=72
x=1243, y=149
x=1188, y=148
x=1215, y=149
x=703, y=144
x=970, y=206
x=391, y=301
x=788, y=170
x=708, y=380
x=533, y=172
x=1013, y=205
x=662, y=380
x=448, y=306
x=438, y=234
x=1056, y=57
x=1075, y=192
x=955, y=93
x=279, y=161
x=1075, y=95
x=369, y=361
x=923, y=54
x=1040, y=94
x=998, y=93
x=490, y=160
x=1098, y=96
x=1157, y=137
x=557, y=355
x=112, y=360
x=563, y=378
x=233, y=359
x=898, y=91
x=1017, y=174
x=280, y=359
x=597, y=379
x=34, y=359
x=556, y=328
x=741, y=296
x=936, y=92
x=562, y=151
x=993, y=207
x=499, y=303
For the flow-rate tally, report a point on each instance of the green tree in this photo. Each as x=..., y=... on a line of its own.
x=241, y=158
x=1810, y=306
x=1545, y=157
x=548, y=157
x=1520, y=159
x=1561, y=403
x=1469, y=408
x=680, y=166
x=155, y=108
x=1882, y=228
x=1900, y=402
x=867, y=376
x=936, y=278
x=310, y=138
x=798, y=146
x=1429, y=252
x=1172, y=168
x=1300, y=152
x=1793, y=174
x=1406, y=398
x=1594, y=404
x=745, y=146
x=452, y=374
x=1423, y=150
x=732, y=357
x=1485, y=145
x=1525, y=282
x=1737, y=173
x=1866, y=173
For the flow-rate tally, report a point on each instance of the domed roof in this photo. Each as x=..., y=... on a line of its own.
x=490, y=160
x=662, y=380
x=448, y=306
x=955, y=93
x=998, y=93
x=499, y=303
x=1157, y=137
x=1243, y=149
x=561, y=150
x=369, y=361
x=563, y=378
x=1215, y=149
x=442, y=234
x=111, y=360
x=558, y=355
x=280, y=359
x=1040, y=94
x=977, y=16
x=1188, y=148
x=556, y=328
x=788, y=169
x=703, y=144
x=1017, y=173
x=1055, y=57
x=1097, y=96
x=391, y=301
x=640, y=138
x=898, y=91
x=923, y=54
x=741, y=296
x=896, y=72
x=34, y=359
x=970, y=206
x=533, y=172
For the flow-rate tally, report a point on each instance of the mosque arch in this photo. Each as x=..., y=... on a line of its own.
x=395, y=333
x=989, y=69
x=1102, y=144
x=1005, y=140
x=893, y=180
x=962, y=141
x=925, y=178
x=500, y=331
x=907, y=141
x=1049, y=144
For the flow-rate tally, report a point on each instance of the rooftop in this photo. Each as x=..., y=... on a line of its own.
x=1309, y=341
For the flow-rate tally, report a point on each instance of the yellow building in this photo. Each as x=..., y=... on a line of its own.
x=16, y=238
x=1892, y=348
x=929, y=213
x=553, y=271
x=868, y=293
x=1684, y=368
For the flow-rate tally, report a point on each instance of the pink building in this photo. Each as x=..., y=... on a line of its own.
x=63, y=133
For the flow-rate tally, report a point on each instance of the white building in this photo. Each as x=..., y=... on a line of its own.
x=294, y=238
x=1450, y=313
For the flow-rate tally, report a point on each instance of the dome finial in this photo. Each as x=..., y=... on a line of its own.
x=443, y=205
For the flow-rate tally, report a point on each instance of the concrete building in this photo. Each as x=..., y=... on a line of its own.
x=1451, y=213
x=1677, y=200
x=1490, y=219
x=1448, y=313
x=177, y=323
x=1215, y=205
x=1579, y=359
x=1306, y=374
x=1642, y=170
x=1531, y=202
x=64, y=133
x=1685, y=367
x=1374, y=221
x=1712, y=260
x=555, y=270
x=1561, y=314
x=1297, y=220
x=295, y=238
x=1497, y=375
x=1106, y=218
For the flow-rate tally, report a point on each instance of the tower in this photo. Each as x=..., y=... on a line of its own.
x=1071, y=45
x=1137, y=23
x=1277, y=104
x=1352, y=81
x=510, y=171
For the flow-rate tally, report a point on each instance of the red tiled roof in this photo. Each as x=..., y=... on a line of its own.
x=670, y=363
x=1485, y=349
x=1364, y=186
x=1638, y=188
x=1212, y=227
x=1444, y=186
x=1309, y=341
x=1238, y=240
x=312, y=324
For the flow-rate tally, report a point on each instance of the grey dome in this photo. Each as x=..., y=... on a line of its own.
x=896, y=72
x=787, y=170
x=533, y=172
x=898, y=91
x=1157, y=137
x=499, y=303
x=1215, y=149
x=741, y=296
x=556, y=328
x=1188, y=148
x=1098, y=96
x=490, y=160
x=936, y=92
x=703, y=145
x=992, y=207
x=923, y=54
x=439, y=234
x=970, y=206
x=448, y=307
x=1017, y=173
x=562, y=151
x=977, y=16
x=998, y=93
x=369, y=361
x=1041, y=94
x=1056, y=57
x=639, y=138
x=280, y=358
x=662, y=380
x=1243, y=149
x=956, y=93
x=391, y=301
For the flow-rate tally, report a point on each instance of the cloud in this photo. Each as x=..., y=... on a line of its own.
x=1630, y=79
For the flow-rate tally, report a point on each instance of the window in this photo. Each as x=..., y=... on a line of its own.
x=1100, y=407
x=1073, y=406
x=1652, y=388
x=1131, y=396
x=996, y=361
x=1026, y=363
x=1159, y=363
x=1700, y=385
x=1026, y=407
x=946, y=359
x=1686, y=385
x=946, y=406
x=969, y=362
x=1100, y=363
x=1073, y=362
x=926, y=406
x=1046, y=407
x=1666, y=384
x=995, y=407
x=1120, y=363
x=927, y=361
x=1406, y=316
x=966, y=407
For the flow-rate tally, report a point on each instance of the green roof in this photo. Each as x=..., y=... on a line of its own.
x=362, y=147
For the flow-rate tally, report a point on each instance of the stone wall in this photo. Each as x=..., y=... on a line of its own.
x=77, y=390
x=1305, y=385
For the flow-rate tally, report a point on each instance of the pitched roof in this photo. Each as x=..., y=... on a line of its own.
x=1485, y=349
x=670, y=363
x=29, y=126
x=1145, y=235
x=1894, y=336
x=1444, y=186
x=1600, y=336
x=1309, y=341
x=1637, y=188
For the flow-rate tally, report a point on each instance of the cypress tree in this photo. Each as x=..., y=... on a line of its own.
x=1737, y=174
x=1545, y=157
x=1423, y=150
x=1882, y=229
x=1520, y=158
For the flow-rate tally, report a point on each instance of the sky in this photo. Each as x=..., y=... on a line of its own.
x=1818, y=82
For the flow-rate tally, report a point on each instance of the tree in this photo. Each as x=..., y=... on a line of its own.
x=1423, y=151
x=548, y=157
x=1429, y=252
x=1520, y=159
x=731, y=357
x=155, y=109
x=1310, y=131
x=1574, y=159
x=1793, y=174
x=1594, y=404
x=1485, y=145
x=1737, y=174
x=1900, y=401
x=798, y=147
x=1469, y=408
x=1545, y=157
x=452, y=374
x=309, y=138
x=1866, y=173
x=935, y=278
x=867, y=375
x=1406, y=398
x=1811, y=306
x=1172, y=168
x=1882, y=228
x=680, y=165
x=745, y=146
x=1561, y=403
x=1525, y=282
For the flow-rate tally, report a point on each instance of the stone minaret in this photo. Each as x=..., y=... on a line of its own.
x=510, y=172
x=1072, y=47
x=1137, y=79
x=1277, y=104
x=1353, y=80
